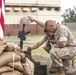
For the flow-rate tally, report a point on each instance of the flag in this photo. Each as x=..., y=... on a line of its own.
x=2, y=11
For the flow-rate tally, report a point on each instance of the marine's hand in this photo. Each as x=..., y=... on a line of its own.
x=31, y=18
x=29, y=48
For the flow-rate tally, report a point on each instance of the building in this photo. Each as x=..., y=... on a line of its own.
x=39, y=9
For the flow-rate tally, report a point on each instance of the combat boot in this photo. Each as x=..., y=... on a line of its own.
x=28, y=54
x=53, y=70
x=60, y=71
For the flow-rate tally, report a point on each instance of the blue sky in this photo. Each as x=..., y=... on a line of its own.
x=67, y=4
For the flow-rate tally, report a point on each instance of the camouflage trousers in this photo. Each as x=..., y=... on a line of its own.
x=63, y=57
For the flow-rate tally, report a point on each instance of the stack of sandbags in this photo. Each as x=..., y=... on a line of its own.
x=28, y=67
x=10, y=61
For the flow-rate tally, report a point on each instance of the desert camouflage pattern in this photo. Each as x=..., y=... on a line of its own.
x=64, y=57
x=25, y=20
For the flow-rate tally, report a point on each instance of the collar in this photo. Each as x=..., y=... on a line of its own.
x=58, y=27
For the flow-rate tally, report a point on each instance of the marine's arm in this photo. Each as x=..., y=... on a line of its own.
x=37, y=44
x=37, y=21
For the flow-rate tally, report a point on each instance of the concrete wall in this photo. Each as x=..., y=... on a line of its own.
x=14, y=12
x=57, y=2
x=13, y=29
x=13, y=17
x=72, y=26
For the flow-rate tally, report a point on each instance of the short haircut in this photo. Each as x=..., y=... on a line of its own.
x=46, y=23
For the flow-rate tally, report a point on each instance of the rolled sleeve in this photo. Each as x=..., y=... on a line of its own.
x=44, y=37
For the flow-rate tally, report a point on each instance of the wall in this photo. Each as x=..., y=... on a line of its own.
x=72, y=27
x=57, y=2
x=13, y=29
x=13, y=17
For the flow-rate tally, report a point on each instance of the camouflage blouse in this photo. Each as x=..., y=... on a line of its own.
x=64, y=34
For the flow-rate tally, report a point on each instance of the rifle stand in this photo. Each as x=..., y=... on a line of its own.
x=22, y=35
x=39, y=69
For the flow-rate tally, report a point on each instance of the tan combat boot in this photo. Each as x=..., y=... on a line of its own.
x=53, y=70
x=60, y=71
x=28, y=54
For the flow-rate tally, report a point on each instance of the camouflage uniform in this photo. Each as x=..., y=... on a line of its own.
x=25, y=20
x=63, y=57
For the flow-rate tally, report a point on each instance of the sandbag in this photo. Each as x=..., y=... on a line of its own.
x=5, y=69
x=28, y=67
x=2, y=43
x=7, y=57
x=13, y=47
x=9, y=47
x=17, y=48
x=3, y=46
x=17, y=65
x=12, y=73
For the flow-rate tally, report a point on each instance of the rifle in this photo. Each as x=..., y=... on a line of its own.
x=22, y=35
